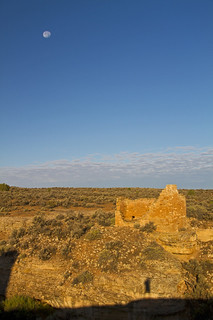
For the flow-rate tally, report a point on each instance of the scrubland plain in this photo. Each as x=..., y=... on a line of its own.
x=60, y=248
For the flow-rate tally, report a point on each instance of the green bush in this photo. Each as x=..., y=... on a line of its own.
x=4, y=187
x=25, y=308
x=83, y=278
x=191, y=193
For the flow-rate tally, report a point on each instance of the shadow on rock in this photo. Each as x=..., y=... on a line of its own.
x=7, y=260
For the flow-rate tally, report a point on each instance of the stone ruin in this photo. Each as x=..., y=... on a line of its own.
x=168, y=212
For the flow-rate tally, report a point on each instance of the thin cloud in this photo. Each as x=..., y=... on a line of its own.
x=189, y=167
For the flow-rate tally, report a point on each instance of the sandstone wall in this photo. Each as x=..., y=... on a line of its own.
x=168, y=212
x=131, y=210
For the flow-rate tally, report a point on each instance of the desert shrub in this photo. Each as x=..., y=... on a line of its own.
x=51, y=204
x=105, y=219
x=78, y=224
x=60, y=217
x=90, y=205
x=148, y=227
x=47, y=253
x=79, y=216
x=75, y=265
x=108, y=260
x=24, y=245
x=71, y=216
x=21, y=232
x=198, y=267
x=112, y=220
x=154, y=252
x=39, y=221
x=41, y=226
x=195, y=223
x=193, y=266
x=206, y=265
x=141, y=262
x=199, y=289
x=13, y=241
x=84, y=277
x=113, y=245
x=77, y=230
x=210, y=205
x=53, y=223
x=4, y=187
x=66, y=250
x=199, y=212
x=22, y=256
x=191, y=193
x=65, y=203
x=3, y=210
x=16, y=235
x=93, y=234
x=67, y=274
x=59, y=233
x=181, y=229
x=75, y=204
x=137, y=225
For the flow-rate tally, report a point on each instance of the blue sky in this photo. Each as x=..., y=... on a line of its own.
x=121, y=94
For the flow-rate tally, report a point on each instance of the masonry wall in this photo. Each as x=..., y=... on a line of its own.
x=168, y=212
x=128, y=212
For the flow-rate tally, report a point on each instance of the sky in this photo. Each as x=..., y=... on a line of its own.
x=120, y=94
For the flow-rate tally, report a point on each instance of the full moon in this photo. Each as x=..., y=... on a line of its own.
x=46, y=34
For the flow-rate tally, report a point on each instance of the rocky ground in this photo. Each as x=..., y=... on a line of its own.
x=77, y=258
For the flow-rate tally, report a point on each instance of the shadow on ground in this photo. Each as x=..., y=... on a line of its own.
x=145, y=309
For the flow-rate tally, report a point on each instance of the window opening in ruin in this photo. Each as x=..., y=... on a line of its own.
x=133, y=217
